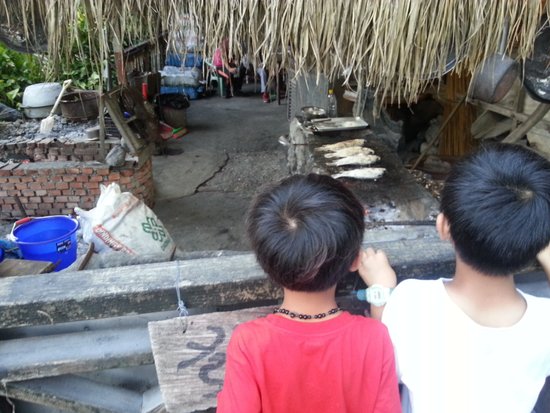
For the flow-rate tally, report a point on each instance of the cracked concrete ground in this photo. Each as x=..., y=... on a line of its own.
x=207, y=178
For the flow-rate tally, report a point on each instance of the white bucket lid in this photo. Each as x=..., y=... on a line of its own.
x=41, y=94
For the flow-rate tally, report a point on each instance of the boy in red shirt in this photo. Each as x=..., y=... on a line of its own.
x=310, y=355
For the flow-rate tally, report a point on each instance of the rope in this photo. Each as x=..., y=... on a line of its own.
x=182, y=309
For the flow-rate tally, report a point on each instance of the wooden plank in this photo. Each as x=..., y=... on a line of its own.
x=502, y=110
x=35, y=357
x=12, y=267
x=209, y=282
x=74, y=394
x=153, y=401
x=130, y=137
x=190, y=365
x=535, y=117
x=92, y=294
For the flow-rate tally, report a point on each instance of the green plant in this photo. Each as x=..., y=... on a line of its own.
x=81, y=69
x=17, y=71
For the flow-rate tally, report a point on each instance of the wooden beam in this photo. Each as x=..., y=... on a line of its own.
x=11, y=267
x=93, y=294
x=153, y=401
x=134, y=143
x=74, y=394
x=144, y=46
x=535, y=117
x=116, y=36
x=36, y=357
x=209, y=282
x=438, y=134
x=502, y=110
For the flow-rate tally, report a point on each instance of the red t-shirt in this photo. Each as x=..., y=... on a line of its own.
x=217, y=59
x=345, y=364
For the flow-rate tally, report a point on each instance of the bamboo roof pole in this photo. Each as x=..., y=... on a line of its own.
x=434, y=140
x=118, y=52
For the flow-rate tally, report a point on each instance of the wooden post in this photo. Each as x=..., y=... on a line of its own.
x=436, y=137
x=101, y=105
x=456, y=138
x=526, y=126
x=119, y=55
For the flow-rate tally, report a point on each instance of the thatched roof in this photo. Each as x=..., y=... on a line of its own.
x=395, y=46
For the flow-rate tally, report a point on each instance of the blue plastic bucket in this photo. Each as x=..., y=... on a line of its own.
x=51, y=238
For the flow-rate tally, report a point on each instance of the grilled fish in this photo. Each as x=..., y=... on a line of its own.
x=353, y=150
x=363, y=173
x=359, y=159
x=341, y=145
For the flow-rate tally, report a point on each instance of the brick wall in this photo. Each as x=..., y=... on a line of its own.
x=53, y=188
x=49, y=149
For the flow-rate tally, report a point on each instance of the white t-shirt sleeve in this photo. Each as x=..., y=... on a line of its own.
x=394, y=314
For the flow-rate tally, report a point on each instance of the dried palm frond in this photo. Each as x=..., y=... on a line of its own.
x=22, y=25
x=396, y=47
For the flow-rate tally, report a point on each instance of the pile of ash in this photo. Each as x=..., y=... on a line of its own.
x=28, y=130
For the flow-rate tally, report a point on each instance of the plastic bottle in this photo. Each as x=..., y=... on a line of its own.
x=332, y=111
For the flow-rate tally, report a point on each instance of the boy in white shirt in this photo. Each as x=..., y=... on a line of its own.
x=474, y=343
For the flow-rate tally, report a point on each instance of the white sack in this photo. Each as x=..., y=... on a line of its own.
x=122, y=222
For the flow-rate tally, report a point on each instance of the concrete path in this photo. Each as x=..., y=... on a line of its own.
x=205, y=181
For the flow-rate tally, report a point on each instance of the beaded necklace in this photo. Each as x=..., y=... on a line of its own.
x=292, y=314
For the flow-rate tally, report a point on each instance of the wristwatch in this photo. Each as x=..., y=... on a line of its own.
x=377, y=294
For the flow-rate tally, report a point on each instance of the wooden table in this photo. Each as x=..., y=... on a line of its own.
x=11, y=267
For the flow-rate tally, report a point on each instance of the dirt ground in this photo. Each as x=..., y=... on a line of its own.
x=232, y=150
x=205, y=180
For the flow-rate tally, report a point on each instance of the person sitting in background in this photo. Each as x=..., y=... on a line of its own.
x=224, y=66
x=238, y=78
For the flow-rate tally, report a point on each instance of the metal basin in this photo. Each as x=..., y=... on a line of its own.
x=80, y=105
x=38, y=112
x=38, y=99
x=313, y=112
x=494, y=78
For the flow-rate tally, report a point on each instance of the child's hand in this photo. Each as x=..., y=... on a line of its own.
x=375, y=269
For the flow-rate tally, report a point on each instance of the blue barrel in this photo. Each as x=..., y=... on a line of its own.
x=51, y=238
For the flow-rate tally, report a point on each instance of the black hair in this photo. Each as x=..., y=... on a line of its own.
x=497, y=202
x=306, y=231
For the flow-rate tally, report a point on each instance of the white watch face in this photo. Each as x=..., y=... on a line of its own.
x=378, y=295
